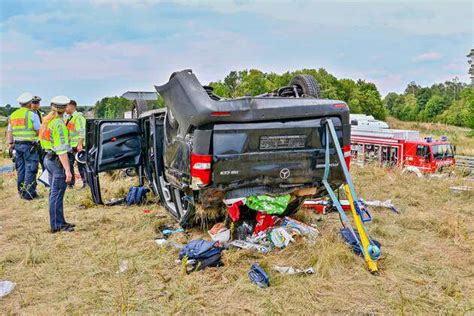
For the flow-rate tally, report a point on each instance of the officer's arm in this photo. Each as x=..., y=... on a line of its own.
x=65, y=162
x=36, y=122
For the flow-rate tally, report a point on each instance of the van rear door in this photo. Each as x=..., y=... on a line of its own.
x=111, y=145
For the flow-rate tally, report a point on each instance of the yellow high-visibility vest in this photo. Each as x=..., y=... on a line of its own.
x=55, y=137
x=21, y=122
x=76, y=126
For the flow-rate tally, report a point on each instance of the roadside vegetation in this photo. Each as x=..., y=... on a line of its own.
x=451, y=102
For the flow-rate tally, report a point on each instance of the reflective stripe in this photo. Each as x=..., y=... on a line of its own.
x=55, y=137
x=64, y=147
x=76, y=128
x=61, y=133
x=21, y=124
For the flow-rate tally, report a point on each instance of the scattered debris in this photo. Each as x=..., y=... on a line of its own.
x=325, y=206
x=205, y=253
x=386, y=204
x=250, y=246
x=170, y=231
x=300, y=228
x=233, y=208
x=264, y=222
x=220, y=233
x=268, y=204
x=165, y=242
x=280, y=237
x=244, y=230
x=123, y=266
x=460, y=189
x=258, y=276
x=6, y=287
x=136, y=195
x=291, y=270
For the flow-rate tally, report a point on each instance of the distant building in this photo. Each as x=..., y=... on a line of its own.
x=471, y=62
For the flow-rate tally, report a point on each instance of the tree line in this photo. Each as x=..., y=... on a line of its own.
x=451, y=102
x=361, y=96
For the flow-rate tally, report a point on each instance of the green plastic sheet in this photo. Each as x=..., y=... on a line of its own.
x=268, y=204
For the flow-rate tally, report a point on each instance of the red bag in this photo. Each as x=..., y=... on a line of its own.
x=264, y=222
x=234, y=210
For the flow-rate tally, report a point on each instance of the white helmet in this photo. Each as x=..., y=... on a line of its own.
x=60, y=101
x=25, y=98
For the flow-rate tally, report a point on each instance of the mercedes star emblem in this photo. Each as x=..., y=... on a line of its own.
x=284, y=173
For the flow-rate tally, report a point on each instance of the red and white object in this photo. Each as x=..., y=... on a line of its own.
x=402, y=148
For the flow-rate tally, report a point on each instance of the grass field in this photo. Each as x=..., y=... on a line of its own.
x=426, y=265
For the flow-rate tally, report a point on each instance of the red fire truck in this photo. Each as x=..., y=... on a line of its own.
x=403, y=148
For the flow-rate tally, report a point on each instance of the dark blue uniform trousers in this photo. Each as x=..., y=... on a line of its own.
x=26, y=165
x=57, y=188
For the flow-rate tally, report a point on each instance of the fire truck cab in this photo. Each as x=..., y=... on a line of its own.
x=403, y=148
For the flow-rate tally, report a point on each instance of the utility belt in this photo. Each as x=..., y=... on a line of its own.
x=26, y=142
x=35, y=146
x=51, y=155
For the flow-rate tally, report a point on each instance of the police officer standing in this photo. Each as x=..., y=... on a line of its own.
x=22, y=135
x=76, y=125
x=54, y=139
x=35, y=105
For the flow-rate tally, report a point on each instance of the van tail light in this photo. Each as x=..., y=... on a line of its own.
x=347, y=155
x=220, y=113
x=200, y=170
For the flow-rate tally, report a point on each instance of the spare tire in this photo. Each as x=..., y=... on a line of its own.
x=308, y=85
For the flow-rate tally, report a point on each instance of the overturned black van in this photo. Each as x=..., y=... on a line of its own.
x=201, y=149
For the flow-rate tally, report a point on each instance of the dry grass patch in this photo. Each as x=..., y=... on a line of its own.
x=426, y=266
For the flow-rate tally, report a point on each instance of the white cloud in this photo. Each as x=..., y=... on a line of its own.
x=415, y=17
x=428, y=56
x=123, y=65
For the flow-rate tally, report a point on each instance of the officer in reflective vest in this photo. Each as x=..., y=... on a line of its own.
x=22, y=135
x=54, y=140
x=76, y=125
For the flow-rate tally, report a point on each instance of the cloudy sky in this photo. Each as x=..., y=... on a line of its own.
x=88, y=49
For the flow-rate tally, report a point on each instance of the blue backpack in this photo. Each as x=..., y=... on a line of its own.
x=199, y=249
x=203, y=252
x=136, y=195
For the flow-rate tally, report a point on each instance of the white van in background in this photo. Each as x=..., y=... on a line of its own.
x=366, y=121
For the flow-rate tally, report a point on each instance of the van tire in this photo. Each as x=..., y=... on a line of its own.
x=308, y=84
x=173, y=200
